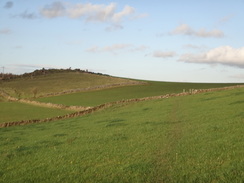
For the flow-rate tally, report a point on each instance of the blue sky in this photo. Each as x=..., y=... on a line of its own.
x=166, y=40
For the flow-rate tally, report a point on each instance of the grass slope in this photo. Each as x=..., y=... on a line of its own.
x=93, y=98
x=196, y=138
x=56, y=82
x=15, y=111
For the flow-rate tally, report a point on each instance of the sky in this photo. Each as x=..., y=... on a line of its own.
x=162, y=40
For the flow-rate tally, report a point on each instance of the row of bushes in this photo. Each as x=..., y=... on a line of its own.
x=43, y=71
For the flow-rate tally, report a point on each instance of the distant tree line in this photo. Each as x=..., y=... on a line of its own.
x=43, y=71
x=8, y=76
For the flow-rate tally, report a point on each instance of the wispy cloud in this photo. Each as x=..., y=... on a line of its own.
x=91, y=12
x=18, y=47
x=127, y=11
x=36, y=66
x=5, y=31
x=196, y=47
x=225, y=19
x=56, y=9
x=8, y=4
x=22, y=68
x=93, y=49
x=224, y=55
x=142, y=15
x=112, y=49
x=140, y=48
x=114, y=27
x=116, y=48
x=27, y=15
x=164, y=54
x=185, y=29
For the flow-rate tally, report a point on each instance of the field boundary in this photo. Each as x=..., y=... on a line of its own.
x=93, y=88
x=107, y=105
x=42, y=104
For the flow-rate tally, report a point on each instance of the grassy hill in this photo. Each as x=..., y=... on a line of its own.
x=195, y=138
x=59, y=81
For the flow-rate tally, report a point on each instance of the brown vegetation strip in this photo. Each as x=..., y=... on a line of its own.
x=103, y=106
x=42, y=104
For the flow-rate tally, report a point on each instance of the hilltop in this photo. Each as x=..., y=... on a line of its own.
x=53, y=81
x=43, y=71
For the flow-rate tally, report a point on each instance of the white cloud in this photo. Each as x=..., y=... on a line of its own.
x=5, y=31
x=224, y=55
x=90, y=12
x=128, y=10
x=185, y=29
x=162, y=54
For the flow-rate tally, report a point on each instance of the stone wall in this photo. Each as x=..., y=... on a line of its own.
x=107, y=105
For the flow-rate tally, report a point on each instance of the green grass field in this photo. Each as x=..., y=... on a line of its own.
x=93, y=98
x=15, y=111
x=196, y=138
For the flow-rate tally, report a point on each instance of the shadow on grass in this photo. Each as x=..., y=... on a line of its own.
x=154, y=123
x=237, y=102
x=60, y=135
x=116, y=124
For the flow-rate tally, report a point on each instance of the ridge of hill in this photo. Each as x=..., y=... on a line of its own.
x=45, y=82
x=43, y=71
